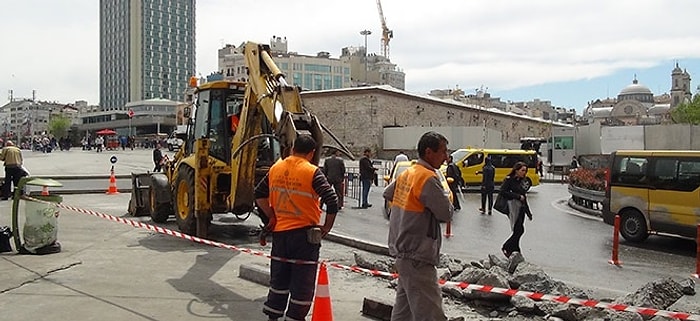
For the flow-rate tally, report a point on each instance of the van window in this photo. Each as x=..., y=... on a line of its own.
x=689, y=175
x=509, y=160
x=629, y=170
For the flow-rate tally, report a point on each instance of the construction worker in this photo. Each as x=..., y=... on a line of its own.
x=289, y=198
x=419, y=204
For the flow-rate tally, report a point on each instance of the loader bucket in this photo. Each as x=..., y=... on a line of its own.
x=139, y=205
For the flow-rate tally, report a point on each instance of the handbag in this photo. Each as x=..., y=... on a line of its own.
x=501, y=204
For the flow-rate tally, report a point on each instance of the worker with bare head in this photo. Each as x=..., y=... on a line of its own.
x=419, y=203
x=289, y=198
x=12, y=156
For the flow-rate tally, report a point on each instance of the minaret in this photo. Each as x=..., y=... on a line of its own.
x=680, y=86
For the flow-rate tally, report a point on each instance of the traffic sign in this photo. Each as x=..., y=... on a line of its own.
x=113, y=159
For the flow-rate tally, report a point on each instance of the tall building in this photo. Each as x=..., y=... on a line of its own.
x=147, y=50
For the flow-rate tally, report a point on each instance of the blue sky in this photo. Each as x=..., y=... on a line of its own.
x=567, y=52
x=576, y=94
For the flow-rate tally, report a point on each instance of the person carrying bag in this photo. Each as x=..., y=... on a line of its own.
x=514, y=196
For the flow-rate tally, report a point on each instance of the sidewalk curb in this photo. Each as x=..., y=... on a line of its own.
x=585, y=210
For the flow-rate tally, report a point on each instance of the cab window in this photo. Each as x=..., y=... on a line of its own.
x=474, y=159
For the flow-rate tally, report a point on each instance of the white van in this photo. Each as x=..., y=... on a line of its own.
x=177, y=138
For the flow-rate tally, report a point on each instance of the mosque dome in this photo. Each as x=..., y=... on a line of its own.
x=635, y=88
x=636, y=91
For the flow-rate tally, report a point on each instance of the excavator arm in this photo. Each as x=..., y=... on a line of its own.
x=272, y=112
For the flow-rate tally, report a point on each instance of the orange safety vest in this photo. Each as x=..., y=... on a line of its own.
x=292, y=195
x=409, y=186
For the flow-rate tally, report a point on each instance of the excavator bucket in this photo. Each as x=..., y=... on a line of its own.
x=139, y=205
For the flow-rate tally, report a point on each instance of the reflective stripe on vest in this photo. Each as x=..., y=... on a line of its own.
x=292, y=195
x=409, y=186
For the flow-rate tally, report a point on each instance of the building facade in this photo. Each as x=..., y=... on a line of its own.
x=318, y=72
x=147, y=50
x=360, y=116
x=354, y=68
x=637, y=105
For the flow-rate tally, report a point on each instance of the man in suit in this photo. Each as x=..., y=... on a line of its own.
x=334, y=169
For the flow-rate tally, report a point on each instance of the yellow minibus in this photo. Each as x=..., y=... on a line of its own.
x=653, y=192
x=471, y=161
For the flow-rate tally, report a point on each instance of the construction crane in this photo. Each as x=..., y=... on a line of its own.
x=386, y=33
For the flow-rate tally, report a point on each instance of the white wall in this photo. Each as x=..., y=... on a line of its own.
x=406, y=138
x=621, y=137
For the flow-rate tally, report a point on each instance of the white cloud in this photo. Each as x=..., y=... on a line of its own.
x=53, y=46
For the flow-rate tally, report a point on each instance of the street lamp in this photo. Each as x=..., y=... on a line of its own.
x=365, y=33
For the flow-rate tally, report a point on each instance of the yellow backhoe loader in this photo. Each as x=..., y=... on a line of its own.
x=236, y=131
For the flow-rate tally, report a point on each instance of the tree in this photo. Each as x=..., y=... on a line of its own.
x=687, y=112
x=58, y=125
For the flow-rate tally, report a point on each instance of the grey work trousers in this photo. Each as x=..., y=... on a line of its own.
x=418, y=297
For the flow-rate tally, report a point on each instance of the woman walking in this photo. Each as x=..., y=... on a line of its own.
x=512, y=189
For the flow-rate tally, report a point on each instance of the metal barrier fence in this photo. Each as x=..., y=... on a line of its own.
x=353, y=186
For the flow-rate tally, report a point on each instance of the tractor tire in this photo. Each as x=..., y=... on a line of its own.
x=633, y=226
x=159, y=211
x=184, y=201
x=159, y=199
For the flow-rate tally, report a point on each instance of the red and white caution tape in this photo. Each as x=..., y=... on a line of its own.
x=166, y=231
x=462, y=285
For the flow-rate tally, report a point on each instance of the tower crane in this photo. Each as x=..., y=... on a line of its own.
x=386, y=33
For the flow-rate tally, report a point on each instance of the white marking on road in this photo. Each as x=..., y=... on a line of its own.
x=562, y=205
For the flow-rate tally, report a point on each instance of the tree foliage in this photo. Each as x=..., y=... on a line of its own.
x=687, y=112
x=59, y=125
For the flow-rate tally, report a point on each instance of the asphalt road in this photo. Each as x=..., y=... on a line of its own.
x=569, y=245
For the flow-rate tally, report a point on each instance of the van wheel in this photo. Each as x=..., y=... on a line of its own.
x=633, y=226
x=527, y=183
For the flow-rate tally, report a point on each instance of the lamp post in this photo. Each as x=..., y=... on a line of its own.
x=365, y=33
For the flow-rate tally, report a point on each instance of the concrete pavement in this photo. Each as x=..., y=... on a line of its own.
x=111, y=271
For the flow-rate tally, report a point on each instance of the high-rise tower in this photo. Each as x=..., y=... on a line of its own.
x=147, y=50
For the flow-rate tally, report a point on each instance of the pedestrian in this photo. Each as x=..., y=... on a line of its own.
x=289, y=198
x=574, y=163
x=418, y=204
x=99, y=143
x=12, y=156
x=334, y=169
x=401, y=157
x=157, y=158
x=513, y=191
x=457, y=182
x=488, y=173
x=539, y=166
x=367, y=173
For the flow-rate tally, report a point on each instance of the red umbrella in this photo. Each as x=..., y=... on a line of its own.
x=106, y=132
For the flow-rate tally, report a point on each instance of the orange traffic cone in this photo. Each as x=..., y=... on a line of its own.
x=44, y=191
x=322, y=302
x=112, y=184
